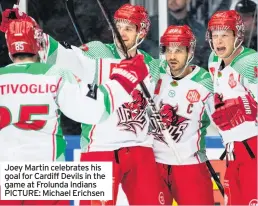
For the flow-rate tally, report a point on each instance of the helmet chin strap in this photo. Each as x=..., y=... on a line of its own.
x=133, y=47
x=189, y=59
x=136, y=44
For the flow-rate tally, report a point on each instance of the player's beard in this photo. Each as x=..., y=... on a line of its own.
x=128, y=46
x=175, y=72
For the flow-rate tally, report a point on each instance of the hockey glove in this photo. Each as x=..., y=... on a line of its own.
x=10, y=14
x=130, y=72
x=234, y=112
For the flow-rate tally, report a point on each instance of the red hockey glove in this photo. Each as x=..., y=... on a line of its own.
x=10, y=14
x=130, y=72
x=234, y=112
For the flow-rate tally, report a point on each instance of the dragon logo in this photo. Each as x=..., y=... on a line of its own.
x=132, y=115
x=174, y=123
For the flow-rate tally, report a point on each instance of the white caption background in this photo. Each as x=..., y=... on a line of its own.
x=56, y=181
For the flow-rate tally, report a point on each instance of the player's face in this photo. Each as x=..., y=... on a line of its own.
x=128, y=33
x=176, y=57
x=223, y=43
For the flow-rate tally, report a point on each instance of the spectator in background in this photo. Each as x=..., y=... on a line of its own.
x=178, y=15
x=248, y=10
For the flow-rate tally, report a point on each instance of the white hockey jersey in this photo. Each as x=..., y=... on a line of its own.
x=128, y=125
x=184, y=106
x=32, y=95
x=239, y=78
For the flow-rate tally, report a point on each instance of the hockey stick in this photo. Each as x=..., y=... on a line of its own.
x=215, y=177
x=155, y=112
x=70, y=10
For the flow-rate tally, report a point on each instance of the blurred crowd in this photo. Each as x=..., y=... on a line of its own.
x=182, y=12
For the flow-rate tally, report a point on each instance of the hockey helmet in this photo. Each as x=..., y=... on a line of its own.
x=178, y=36
x=226, y=20
x=23, y=36
x=134, y=14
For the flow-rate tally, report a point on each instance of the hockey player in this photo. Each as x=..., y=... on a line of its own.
x=234, y=72
x=184, y=96
x=33, y=94
x=123, y=139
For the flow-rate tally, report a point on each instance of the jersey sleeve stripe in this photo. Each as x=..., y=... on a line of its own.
x=100, y=71
x=108, y=98
x=54, y=142
x=112, y=98
x=205, y=98
x=90, y=137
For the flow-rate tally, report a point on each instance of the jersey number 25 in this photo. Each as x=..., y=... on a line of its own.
x=24, y=121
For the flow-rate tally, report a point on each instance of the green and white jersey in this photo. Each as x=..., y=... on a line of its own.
x=78, y=61
x=184, y=107
x=98, y=50
x=128, y=125
x=32, y=96
x=237, y=79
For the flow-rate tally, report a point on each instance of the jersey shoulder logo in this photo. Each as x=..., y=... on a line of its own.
x=175, y=124
x=132, y=115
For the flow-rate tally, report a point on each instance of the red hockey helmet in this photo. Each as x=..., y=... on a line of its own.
x=178, y=36
x=134, y=14
x=226, y=20
x=23, y=36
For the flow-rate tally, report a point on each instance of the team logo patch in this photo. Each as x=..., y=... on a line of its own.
x=231, y=81
x=133, y=114
x=193, y=96
x=171, y=93
x=174, y=123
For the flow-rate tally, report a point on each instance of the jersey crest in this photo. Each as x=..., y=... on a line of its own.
x=231, y=81
x=132, y=115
